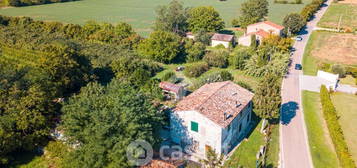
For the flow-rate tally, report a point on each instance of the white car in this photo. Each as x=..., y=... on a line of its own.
x=298, y=38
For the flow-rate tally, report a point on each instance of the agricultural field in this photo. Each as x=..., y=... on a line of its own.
x=347, y=110
x=328, y=47
x=321, y=147
x=140, y=14
x=346, y=12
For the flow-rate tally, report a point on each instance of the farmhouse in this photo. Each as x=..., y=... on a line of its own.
x=261, y=30
x=215, y=116
x=223, y=39
x=177, y=91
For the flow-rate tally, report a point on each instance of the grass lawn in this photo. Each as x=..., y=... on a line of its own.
x=348, y=80
x=346, y=106
x=331, y=18
x=329, y=47
x=322, y=150
x=245, y=154
x=138, y=13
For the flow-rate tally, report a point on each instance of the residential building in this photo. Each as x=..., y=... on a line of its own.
x=215, y=116
x=261, y=30
x=222, y=39
x=190, y=35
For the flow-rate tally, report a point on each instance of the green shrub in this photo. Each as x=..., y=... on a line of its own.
x=196, y=69
x=245, y=85
x=170, y=77
x=324, y=66
x=217, y=58
x=238, y=59
x=194, y=51
x=335, y=129
x=218, y=76
x=339, y=69
x=352, y=71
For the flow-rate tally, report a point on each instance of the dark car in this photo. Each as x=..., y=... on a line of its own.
x=298, y=67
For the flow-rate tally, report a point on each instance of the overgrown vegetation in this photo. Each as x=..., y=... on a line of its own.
x=18, y=3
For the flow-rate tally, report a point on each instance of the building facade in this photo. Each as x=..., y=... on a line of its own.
x=215, y=116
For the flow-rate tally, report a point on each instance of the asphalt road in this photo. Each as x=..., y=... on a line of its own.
x=294, y=147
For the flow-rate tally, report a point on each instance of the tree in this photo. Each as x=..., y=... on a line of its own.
x=161, y=46
x=253, y=11
x=217, y=58
x=204, y=18
x=213, y=160
x=194, y=50
x=104, y=120
x=293, y=23
x=172, y=18
x=239, y=57
x=267, y=98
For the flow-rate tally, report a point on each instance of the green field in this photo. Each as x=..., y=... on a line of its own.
x=347, y=110
x=138, y=13
x=321, y=147
x=346, y=12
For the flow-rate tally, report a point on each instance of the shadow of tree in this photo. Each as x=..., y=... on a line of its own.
x=288, y=111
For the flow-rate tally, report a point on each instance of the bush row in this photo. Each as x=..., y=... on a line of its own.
x=196, y=69
x=310, y=9
x=335, y=130
x=288, y=2
x=32, y=2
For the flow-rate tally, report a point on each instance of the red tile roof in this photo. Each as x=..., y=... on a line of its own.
x=270, y=24
x=170, y=87
x=222, y=37
x=261, y=33
x=215, y=99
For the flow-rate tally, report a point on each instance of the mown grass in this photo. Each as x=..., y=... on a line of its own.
x=245, y=154
x=138, y=13
x=347, y=13
x=309, y=62
x=346, y=106
x=322, y=152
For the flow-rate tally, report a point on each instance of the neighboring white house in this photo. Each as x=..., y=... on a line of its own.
x=261, y=30
x=215, y=116
x=190, y=35
x=224, y=39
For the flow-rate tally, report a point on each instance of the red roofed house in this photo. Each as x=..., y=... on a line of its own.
x=215, y=116
x=176, y=90
x=261, y=30
x=224, y=39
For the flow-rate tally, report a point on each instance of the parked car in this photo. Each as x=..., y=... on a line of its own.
x=298, y=38
x=298, y=66
x=180, y=68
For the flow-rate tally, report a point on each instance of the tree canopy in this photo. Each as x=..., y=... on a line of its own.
x=204, y=18
x=253, y=11
x=172, y=17
x=103, y=120
x=267, y=97
x=293, y=23
x=161, y=46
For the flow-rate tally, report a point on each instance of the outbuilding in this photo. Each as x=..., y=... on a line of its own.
x=222, y=39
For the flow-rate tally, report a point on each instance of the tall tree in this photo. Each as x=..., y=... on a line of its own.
x=161, y=46
x=104, y=120
x=172, y=17
x=253, y=11
x=213, y=160
x=293, y=23
x=204, y=18
x=267, y=98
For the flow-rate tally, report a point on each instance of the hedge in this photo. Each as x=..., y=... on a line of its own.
x=18, y=3
x=310, y=9
x=335, y=130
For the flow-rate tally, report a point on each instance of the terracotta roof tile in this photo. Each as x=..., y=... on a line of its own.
x=270, y=24
x=261, y=33
x=222, y=37
x=170, y=87
x=215, y=99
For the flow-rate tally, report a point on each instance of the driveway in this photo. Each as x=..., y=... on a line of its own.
x=294, y=147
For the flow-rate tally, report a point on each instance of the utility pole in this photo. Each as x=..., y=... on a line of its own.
x=339, y=23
